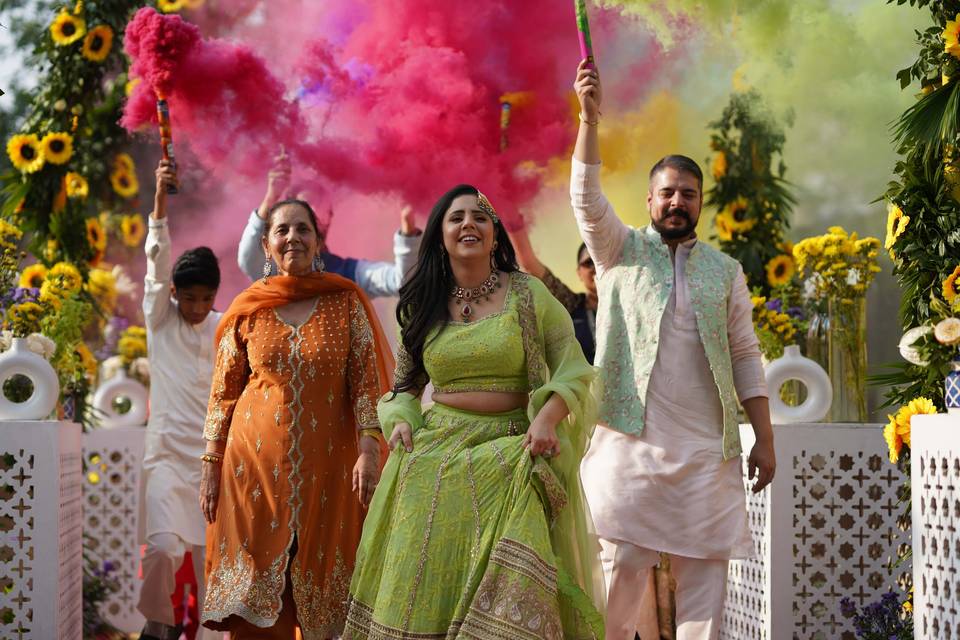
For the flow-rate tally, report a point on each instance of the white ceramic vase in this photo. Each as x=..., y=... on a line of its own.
x=19, y=359
x=793, y=366
x=117, y=388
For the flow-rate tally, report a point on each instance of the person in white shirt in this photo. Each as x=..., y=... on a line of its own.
x=181, y=323
x=377, y=279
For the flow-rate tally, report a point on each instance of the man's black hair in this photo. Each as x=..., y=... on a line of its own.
x=197, y=267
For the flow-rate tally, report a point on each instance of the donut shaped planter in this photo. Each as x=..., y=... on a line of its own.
x=116, y=388
x=18, y=359
x=793, y=366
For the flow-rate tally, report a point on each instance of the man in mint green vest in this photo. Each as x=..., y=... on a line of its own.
x=676, y=350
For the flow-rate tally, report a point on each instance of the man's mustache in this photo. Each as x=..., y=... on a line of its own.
x=682, y=213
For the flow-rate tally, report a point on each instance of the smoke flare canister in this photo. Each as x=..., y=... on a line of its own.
x=166, y=138
x=504, y=124
x=583, y=31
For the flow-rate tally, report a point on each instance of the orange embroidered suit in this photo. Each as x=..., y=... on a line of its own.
x=289, y=400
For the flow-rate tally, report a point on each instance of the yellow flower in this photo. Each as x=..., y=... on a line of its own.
x=97, y=44
x=719, y=168
x=135, y=331
x=894, y=441
x=25, y=318
x=67, y=28
x=57, y=147
x=77, y=186
x=49, y=298
x=87, y=360
x=780, y=271
x=130, y=85
x=65, y=278
x=169, y=6
x=193, y=4
x=131, y=348
x=736, y=212
x=125, y=162
x=724, y=229
x=96, y=237
x=9, y=232
x=951, y=37
x=132, y=230
x=102, y=287
x=896, y=225
x=124, y=183
x=50, y=250
x=26, y=152
x=897, y=431
x=950, y=286
x=33, y=276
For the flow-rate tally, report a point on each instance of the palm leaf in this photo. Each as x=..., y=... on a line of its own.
x=931, y=121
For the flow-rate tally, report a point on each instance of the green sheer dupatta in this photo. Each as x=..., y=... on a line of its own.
x=555, y=365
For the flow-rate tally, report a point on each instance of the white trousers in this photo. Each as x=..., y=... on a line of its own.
x=701, y=590
x=164, y=556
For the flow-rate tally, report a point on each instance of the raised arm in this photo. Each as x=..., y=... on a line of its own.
x=602, y=231
x=157, y=306
x=250, y=256
x=384, y=279
x=526, y=257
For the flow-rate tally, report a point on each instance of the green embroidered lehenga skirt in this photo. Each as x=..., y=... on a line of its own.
x=459, y=540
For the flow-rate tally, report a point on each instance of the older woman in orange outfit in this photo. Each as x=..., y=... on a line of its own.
x=301, y=364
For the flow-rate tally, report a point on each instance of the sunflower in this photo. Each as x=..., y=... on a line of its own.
x=125, y=162
x=897, y=431
x=97, y=44
x=25, y=318
x=65, y=278
x=87, y=360
x=77, y=186
x=67, y=28
x=896, y=225
x=719, y=166
x=736, y=213
x=132, y=230
x=169, y=6
x=26, y=152
x=950, y=286
x=124, y=183
x=131, y=348
x=724, y=229
x=57, y=147
x=96, y=236
x=102, y=286
x=780, y=270
x=33, y=276
x=951, y=37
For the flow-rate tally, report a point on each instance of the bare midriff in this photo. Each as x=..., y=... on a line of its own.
x=482, y=401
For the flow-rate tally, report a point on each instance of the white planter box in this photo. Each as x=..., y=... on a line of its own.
x=824, y=530
x=41, y=522
x=935, y=486
x=112, y=515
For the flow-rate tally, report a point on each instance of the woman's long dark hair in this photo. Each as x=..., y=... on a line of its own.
x=423, y=299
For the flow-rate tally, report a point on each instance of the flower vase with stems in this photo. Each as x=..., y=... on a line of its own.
x=847, y=358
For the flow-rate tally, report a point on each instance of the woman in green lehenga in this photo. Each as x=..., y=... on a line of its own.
x=478, y=528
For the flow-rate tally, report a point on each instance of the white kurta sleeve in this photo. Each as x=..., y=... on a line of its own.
x=157, y=306
x=744, y=346
x=602, y=231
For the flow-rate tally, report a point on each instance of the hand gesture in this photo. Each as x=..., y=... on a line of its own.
x=588, y=90
x=541, y=439
x=762, y=464
x=166, y=175
x=210, y=489
x=408, y=226
x=401, y=433
x=278, y=179
x=366, y=471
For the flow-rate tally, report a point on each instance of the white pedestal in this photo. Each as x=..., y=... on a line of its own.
x=112, y=514
x=824, y=530
x=41, y=522
x=935, y=487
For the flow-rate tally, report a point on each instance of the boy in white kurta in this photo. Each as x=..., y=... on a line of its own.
x=675, y=345
x=177, y=305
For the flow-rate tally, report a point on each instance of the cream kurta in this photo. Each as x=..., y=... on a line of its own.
x=670, y=489
x=181, y=368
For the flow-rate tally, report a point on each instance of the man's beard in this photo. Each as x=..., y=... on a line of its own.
x=674, y=233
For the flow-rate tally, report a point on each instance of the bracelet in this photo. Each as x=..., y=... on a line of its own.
x=370, y=432
x=215, y=458
x=592, y=123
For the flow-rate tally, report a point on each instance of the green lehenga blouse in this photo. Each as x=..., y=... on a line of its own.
x=468, y=536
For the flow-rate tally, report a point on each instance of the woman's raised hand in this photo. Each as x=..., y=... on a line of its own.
x=401, y=433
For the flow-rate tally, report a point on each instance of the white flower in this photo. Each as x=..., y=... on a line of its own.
x=947, y=331
x=41, y=345
x=124, y=286
x=810, y=287
x=140, y=369
x=910, y=352
x=110, y=367
x=853, y=277
x=6, y=339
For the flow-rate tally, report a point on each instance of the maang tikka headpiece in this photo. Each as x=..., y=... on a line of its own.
x=487, y=208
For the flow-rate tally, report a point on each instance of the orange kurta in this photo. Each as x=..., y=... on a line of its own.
x=289, y=401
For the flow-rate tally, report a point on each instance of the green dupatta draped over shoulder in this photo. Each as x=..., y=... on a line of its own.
x=542, y=494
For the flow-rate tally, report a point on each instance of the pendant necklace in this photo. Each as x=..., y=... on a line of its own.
x=465, y=297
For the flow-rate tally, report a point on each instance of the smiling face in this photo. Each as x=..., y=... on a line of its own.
x=291, y=240
x=468, y=231
x=674, y=203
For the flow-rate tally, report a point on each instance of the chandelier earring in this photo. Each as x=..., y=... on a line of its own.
x=318, y=264
x=267, y=269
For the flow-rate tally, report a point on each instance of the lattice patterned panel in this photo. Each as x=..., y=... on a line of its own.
x=825, y=531
x=935, y=476
x=748, y=596
x=112, y=494
x=40, y=531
